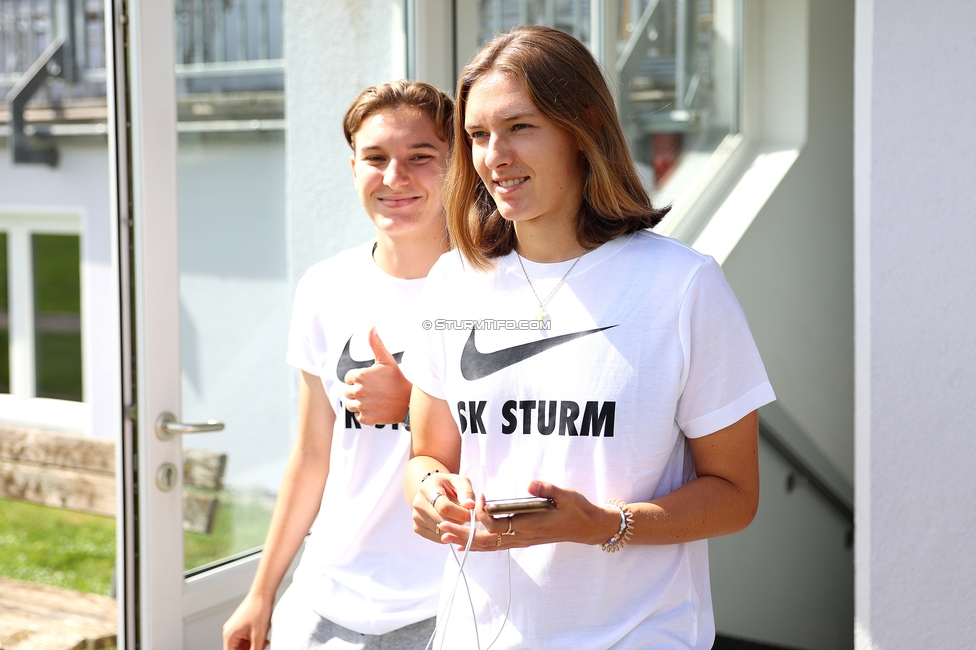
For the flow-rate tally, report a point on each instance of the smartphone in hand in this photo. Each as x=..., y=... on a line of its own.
x=505, y=507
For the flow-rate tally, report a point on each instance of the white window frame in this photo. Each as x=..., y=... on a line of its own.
x=22, y=406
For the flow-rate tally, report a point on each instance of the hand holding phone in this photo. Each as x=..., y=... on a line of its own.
x=505, y=507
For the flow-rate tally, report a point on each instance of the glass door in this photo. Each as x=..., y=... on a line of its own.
x=198, y=147
x=234, y=295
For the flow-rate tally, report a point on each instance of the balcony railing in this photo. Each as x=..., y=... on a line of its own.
x=229, y=45
x=28, y=27
x=229, y=71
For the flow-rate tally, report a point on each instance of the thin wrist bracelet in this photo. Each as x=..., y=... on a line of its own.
x=620, y=540
x=429, y=474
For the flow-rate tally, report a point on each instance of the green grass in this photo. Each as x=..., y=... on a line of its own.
x=241, y=525
x=56, y=547
x=75, y=550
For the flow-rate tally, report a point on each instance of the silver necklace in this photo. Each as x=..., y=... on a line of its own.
x=542, y=315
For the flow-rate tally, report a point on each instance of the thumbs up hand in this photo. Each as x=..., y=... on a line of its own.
x=379, y=394
x=380, y=353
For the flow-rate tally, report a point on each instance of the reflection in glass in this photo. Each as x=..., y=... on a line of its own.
x=673, y=65
x=4, y=318
x=570, y=16
x=57, y=316
x=234, y=292
x=677, y=71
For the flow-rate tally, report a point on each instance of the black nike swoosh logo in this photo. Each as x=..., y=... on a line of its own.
x=477, y=365
x=347, y=363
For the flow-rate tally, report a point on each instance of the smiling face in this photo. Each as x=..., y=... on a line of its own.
x=397, y=166
x=531, y=166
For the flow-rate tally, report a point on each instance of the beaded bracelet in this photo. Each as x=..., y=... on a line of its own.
x=620, y=540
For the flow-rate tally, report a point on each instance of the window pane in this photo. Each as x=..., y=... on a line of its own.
x=235, y=295
x=4, y=319
x=680, y=90
x=673, y=66
x=570, y=16
x=57, y=316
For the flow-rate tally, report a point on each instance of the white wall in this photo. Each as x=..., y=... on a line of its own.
x=333, y=50
x=915, y=282
x=786, y=580
x=792, y=270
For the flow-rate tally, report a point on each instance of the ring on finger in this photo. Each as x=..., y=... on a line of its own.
x=437, y=496
x=509, y=531
x=437, y=530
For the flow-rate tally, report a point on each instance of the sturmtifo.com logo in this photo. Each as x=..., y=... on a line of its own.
x=442, y=324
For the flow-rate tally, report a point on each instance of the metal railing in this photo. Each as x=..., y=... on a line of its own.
x=27, y=29
x=221, y=46
x=570, y=16
x=229, y=70
x=229, y=45
x=792, y=443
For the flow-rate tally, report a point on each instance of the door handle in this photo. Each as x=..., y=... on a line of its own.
x=167, y=426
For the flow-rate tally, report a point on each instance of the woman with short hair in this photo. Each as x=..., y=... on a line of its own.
x=364, y=582
x=599, y=365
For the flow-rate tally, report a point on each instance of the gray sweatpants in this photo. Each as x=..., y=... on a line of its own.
x=295, y=626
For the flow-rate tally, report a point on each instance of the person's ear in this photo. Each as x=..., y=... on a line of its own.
x=352, y=163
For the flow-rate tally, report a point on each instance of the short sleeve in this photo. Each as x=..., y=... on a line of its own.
x=723, y=378
x=303, y=345
x=424, y=358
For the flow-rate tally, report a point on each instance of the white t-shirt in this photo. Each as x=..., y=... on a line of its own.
x=363, y=566
x=647, y=341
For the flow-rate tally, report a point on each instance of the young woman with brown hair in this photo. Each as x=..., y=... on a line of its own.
x=574, y=355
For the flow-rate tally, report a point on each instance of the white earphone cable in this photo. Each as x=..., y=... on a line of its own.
x=508, y=609
x=449, y=604
x=444, y=616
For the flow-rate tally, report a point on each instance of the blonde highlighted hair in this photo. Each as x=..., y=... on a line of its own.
x=564, y=82
x=392, y=95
